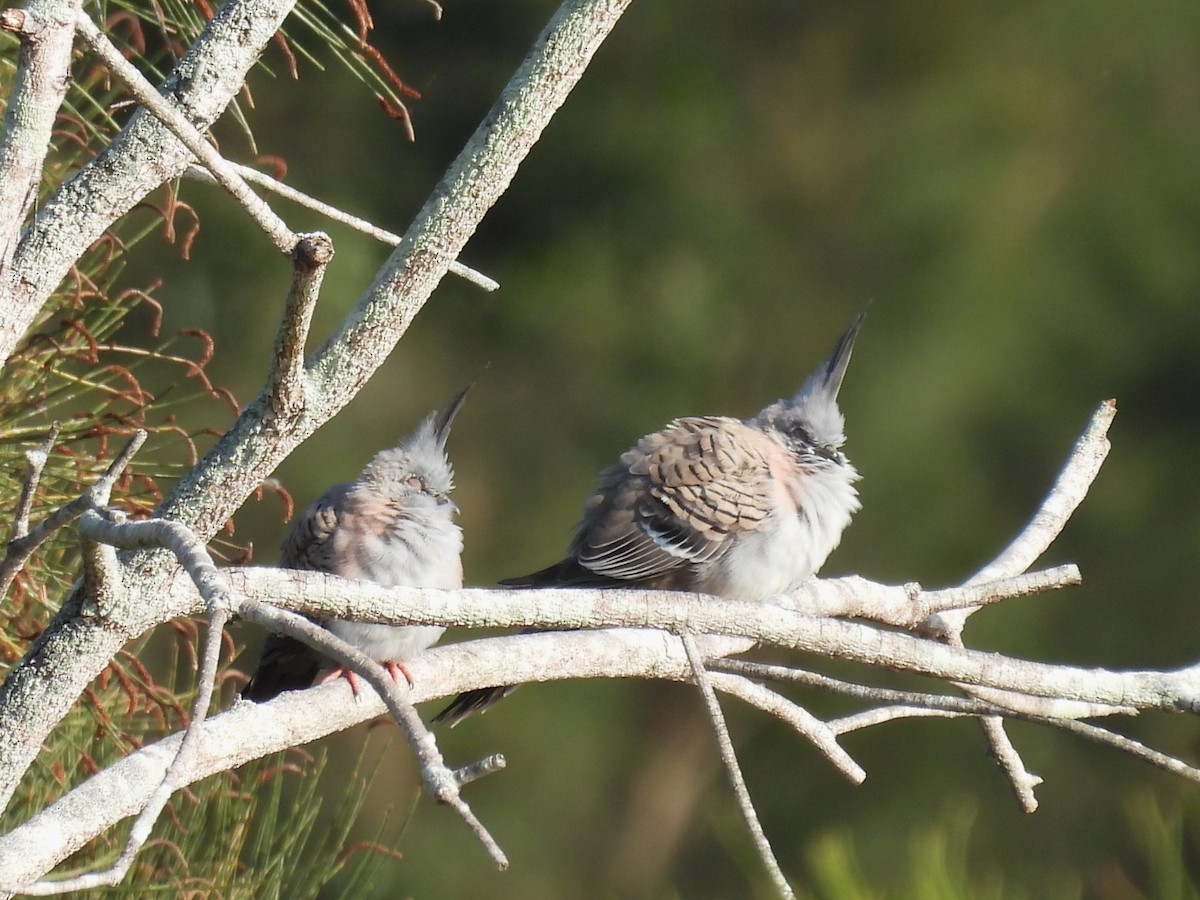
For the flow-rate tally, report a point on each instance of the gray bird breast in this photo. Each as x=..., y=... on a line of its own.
x=794, y=543
x=414, y=552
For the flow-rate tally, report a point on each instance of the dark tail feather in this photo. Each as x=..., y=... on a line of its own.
x=567, y=573
x=468, y=703
x=561, y=574
x=286, y=664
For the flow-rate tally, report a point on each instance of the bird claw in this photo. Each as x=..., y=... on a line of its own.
x=397, y=668
x=343, y=672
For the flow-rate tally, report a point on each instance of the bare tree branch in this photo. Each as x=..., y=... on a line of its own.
x=909, y=605
x=37, y=460
x=220, y=597
x=1068, y=491
x=1040, y=708
x=46, y=29
x=141, y=158
x=287, y=381
x=733, y=769
x=24, y=546
x=819, y=733
x=165, y=570
x=174, y=777
x=1064, y=498
x=247, y=731
x=326, y=595
x=333, y=213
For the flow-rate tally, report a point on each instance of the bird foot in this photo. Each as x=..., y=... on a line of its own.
x=342, y=672
x=396, y=669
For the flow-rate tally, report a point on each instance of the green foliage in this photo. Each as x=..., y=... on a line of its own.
x=938, y=866
x=265, y=832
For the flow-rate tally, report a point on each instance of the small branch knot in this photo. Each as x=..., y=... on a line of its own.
x=312, y=251
x=476, y=770
x=15, y=21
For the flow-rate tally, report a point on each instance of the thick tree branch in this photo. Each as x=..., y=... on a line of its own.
x=769, y=624
x=248, y=731
x=175, y=776
x=221, y=600
x=46, y=29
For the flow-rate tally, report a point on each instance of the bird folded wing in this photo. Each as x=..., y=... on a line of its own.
x=680, y=497
x=309, y=544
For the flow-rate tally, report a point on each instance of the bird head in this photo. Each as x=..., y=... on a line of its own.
x=416, y=472
x=810, y=423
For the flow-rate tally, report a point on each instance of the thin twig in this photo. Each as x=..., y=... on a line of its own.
x=733, y=768
x=440, y=781
x=1067, y=492
x=869, y=718
x=1025, y=706
x=910, y=605
x=464, y=775
x=806, y=724
x=23, y=547
x=254, y=176
x=1129, y=745
x=37, y=460
x=277, y=230
x=1023, y=782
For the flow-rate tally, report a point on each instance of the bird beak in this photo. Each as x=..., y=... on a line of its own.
x=827, y=379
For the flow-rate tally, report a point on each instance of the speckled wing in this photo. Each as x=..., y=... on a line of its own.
x=287, y=664
x=676, y=500
x=309, y=544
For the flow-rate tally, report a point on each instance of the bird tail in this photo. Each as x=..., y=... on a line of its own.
x=286, y=664
x=468, y=703
x=567, y=573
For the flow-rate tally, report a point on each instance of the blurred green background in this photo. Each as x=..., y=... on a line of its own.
x=1014, y=187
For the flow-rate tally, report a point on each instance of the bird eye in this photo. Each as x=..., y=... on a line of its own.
x=416, y=482
x=800, y=435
